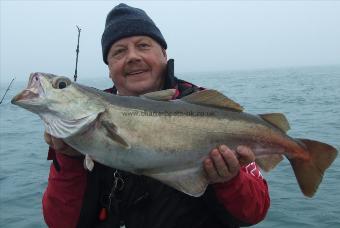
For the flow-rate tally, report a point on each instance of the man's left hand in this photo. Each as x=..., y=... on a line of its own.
x=223, y=164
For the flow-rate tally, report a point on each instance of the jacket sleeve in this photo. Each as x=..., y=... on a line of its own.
x=62, y=199
x=246, y=196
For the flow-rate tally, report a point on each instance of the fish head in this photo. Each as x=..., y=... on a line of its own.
x=60, y=103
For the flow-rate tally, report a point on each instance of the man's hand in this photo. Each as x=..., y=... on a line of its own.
x=60, y=146
x=223, y=164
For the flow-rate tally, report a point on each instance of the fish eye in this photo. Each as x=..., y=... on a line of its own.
x=61, y=85
x=61, y=82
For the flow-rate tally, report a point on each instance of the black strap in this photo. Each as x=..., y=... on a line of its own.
x=56, y=164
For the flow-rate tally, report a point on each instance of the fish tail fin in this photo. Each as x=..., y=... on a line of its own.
x=309, y=172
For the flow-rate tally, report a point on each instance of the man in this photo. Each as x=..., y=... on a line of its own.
x=135, y=51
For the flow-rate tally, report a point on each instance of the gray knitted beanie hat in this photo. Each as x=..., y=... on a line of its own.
x=125, y=21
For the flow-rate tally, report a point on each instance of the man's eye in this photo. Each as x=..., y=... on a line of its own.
x=118, y=52
x=143, y=45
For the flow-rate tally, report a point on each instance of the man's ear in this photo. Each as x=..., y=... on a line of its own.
x=110, y=75
x=164, y=53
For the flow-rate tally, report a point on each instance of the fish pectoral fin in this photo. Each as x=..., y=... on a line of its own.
x=191, y=181
x=269, y=161
x=162, y=95
x=277, y=119
x=112, y=133
x=212, y=98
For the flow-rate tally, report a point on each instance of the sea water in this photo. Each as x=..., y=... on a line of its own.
x=308, y=96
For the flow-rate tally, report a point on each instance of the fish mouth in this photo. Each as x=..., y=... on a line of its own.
x=33, y=91
x=26, y=94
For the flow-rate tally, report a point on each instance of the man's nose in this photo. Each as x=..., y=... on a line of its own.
x=133, y=55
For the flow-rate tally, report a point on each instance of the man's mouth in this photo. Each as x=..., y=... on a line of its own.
x=135, y=72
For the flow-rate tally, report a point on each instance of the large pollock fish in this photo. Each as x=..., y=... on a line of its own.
x=167, y=139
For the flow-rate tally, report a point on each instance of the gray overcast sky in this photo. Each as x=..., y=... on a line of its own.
x=201, y=35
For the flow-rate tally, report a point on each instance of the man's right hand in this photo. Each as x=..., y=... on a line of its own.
x=60, y=146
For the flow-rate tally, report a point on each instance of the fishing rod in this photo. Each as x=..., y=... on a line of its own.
x=77, y=50
x=7, y=90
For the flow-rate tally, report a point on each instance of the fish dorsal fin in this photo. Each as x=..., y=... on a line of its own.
x=212, y=98
x=269, y=161
x=276, y=119
x=162, y=95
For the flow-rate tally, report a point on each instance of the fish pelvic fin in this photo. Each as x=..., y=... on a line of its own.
x=212, y=98
x=309, y=172
x=277, y=119
x=191, y=181
x=88, y=163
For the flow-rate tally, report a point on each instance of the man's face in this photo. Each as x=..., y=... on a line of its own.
x=137, y=65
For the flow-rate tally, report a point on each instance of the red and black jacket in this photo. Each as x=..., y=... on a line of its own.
x=77, y=198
